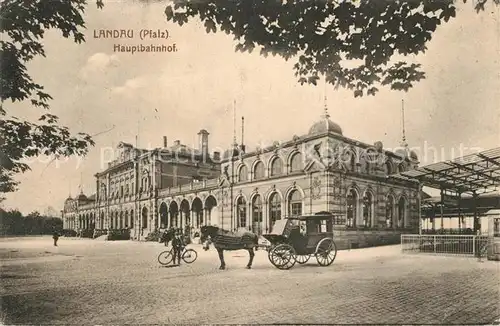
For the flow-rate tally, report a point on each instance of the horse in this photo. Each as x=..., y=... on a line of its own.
x=167, y=236
x=226, y=240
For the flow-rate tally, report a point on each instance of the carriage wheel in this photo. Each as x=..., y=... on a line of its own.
x=282, y=256
x=269, y=249
x=165, y=257
x=302, y=259
x=326, y=251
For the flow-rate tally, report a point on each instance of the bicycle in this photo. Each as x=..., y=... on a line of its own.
x=187, y=255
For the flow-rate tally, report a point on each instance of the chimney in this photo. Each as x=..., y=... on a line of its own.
x=216, y=156
x=165, y=141
x=203, y=146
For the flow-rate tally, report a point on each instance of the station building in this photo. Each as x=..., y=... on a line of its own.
x=319, y=171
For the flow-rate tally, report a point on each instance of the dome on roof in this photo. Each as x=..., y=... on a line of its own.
x=325, y=125
x=81, y=197
x=69, y=198
x=401, y=152
x=413, y=155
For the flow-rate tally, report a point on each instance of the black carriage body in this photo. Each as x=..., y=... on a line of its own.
x=303, y=233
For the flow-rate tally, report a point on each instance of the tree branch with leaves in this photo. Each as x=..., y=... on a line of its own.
x=353, y=43
x=23, y=25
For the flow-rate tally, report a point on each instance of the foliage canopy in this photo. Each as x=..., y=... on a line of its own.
x=23, y=27
x=353, y=43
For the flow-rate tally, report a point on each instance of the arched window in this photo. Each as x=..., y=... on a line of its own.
x=243, y=174
x=144, y=218
x=258, y=171
x=352, y=209
x=401, y=212
x=257, y=214
x=389, y=209
x=276, y=167
x=241, y=213
x=274, y=208
x=352, y=162
x=174, y=214
x=163, y=215
x=367, y=209
x=295, y=203
x=296, y=163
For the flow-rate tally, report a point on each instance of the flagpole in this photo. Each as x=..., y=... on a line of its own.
x=234, y=123
x=232, y=167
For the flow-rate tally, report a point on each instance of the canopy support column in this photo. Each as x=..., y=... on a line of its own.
x=442, y=209
x=477, y=225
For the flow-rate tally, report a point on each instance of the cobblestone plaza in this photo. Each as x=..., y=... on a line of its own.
x=93, y=282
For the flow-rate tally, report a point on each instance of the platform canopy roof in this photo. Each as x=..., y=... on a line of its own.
x=468, y=206
x=475, y=173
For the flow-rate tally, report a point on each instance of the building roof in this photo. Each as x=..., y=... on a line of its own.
x=325, y=125
x=484, y=203
x=473, y=174
x=81, y=196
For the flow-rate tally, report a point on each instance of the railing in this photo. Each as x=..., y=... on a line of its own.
x=187, y=187
x=455, y=245
x=467, y=231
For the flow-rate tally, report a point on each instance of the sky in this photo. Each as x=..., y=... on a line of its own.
x=117, y=96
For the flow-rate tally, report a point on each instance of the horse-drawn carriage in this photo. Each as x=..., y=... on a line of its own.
x=296, y=239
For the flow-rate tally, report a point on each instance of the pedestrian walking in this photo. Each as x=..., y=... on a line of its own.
x=55, y=236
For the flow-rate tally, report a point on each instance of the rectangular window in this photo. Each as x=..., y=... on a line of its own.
x=323, y=228
x=242, y=216
x=296, y=209
x=257, y=214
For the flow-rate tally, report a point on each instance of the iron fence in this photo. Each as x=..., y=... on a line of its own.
x=455, y=245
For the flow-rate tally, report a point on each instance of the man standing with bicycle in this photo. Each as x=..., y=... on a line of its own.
x=178, y=245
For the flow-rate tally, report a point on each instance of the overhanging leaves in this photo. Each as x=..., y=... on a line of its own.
x=330, y=37
x=23, y=27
